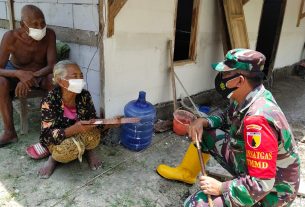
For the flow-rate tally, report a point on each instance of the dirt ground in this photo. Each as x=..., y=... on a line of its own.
x=127, y=178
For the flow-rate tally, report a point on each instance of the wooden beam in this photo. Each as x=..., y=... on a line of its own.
x=172, y=73
x=236, y=23
x=114, y=7
x=245, y=1
x=101, y=57
x=194, y=30
x=65, y=34
x=225, y=36
x=301, y=13
x=11, y=16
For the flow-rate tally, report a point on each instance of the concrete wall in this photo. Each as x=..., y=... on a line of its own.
x=78, y=15
x=292, y=40
x=136, y=56
x=252, y=11
x=137, y=59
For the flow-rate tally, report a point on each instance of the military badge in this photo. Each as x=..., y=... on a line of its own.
x=254, y=139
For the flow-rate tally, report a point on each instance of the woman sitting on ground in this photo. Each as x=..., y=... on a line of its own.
x=62, y=112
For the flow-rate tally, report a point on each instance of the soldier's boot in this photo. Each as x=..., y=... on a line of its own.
x=188, y=169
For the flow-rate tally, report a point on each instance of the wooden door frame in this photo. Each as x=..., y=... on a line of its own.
x=301, y=13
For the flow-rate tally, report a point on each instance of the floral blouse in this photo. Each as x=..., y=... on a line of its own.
x=53, y=122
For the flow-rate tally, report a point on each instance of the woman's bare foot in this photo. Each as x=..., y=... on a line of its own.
x=48, y=168
x=8, y=137
x=93, y=160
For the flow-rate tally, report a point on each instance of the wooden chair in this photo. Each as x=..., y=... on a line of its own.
x=23, y=109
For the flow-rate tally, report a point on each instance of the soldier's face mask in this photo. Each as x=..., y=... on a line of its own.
x=221, y=85
x=37, y=34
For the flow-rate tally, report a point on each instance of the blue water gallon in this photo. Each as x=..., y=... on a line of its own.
x=138, y=136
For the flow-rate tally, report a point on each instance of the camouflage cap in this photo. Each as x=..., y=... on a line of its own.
x=242, y=59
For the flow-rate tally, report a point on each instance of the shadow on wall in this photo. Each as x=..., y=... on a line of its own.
x=303, y=52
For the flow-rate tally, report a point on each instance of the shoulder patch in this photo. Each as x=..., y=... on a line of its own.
x=261, y=147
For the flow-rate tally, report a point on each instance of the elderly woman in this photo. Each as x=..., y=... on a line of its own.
x=62, y=112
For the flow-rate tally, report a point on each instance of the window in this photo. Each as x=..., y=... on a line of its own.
x=186, y=30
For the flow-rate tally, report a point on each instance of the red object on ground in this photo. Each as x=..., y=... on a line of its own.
x=37, y=151
x=181, y=121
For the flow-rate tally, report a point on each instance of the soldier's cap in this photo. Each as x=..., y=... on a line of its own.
x=242, y=59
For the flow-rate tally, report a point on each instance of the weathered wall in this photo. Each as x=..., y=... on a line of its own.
x=292, y=38
x=71, y=18
x=136, y=55
x=252, y=11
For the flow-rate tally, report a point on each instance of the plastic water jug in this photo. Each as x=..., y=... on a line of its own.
x=138, y=136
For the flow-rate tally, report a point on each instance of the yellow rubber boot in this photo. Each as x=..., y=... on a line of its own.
x=188, y=169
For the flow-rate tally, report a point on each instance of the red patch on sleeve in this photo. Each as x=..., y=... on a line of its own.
x=261, y=147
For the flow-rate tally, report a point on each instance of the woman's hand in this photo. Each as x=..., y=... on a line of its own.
x=209, y=185
x=196, y=128
x=80, y=126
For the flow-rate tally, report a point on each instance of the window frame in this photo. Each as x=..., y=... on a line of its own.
x=192, y=53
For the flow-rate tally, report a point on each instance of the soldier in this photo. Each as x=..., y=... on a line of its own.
x=251, y=139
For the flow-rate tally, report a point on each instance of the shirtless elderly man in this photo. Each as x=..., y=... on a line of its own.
x=27, y=57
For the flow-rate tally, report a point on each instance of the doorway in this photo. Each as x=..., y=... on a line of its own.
x=269, y=31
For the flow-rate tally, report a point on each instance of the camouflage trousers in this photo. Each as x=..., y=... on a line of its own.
x=75, y=146
x=199, y=199
x=217, y=143
x=213, y=142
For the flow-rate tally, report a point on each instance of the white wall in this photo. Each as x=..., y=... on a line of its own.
x=252, y=12
x=136, y=55
x=292, y=38
x=76, y=14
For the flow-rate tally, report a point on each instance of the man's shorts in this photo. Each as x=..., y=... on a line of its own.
x=14, y=81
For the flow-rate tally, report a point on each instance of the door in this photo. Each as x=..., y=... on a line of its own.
x=269, y=31
x=236, y=23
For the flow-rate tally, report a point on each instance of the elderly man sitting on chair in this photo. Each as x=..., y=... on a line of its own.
x=27, y=57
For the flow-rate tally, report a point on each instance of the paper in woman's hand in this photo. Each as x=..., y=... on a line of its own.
x=113, y=121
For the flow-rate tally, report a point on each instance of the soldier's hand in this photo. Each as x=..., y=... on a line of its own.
x=26, y=77
x=196, y=128
x=21, y=90
x=209, y=185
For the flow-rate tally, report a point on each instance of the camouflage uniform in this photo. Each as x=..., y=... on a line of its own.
x=258, y=149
